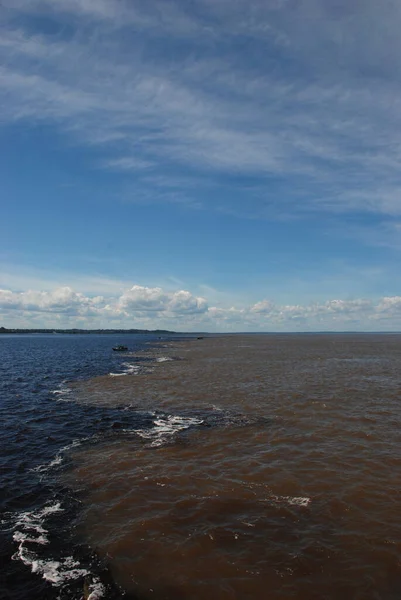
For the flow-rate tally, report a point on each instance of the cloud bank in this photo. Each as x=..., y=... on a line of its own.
x=152, y=308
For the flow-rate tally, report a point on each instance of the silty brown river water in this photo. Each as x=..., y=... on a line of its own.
x=273, y=472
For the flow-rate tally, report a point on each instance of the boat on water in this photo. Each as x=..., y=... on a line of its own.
x=120, y=348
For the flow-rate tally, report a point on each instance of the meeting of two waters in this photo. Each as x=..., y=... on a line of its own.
x=233, y=467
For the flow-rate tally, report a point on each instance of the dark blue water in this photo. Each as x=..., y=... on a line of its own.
x=40, y=420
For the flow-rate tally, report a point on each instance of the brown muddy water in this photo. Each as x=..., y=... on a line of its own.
x=272, y=471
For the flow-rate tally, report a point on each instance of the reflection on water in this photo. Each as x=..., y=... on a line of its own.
x=280, y=480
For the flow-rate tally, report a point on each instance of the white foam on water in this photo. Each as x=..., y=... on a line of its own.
x=34, y=520
x=291, y=500
x=63, y=393
x=19, y=536
x=30, y=532
x=165, y=427
x=58, y=459
x=131, y=370
x=29, y=528
x=33, y=523
x=56, y=572
x=162, y=359
x=54, y=463
x=96, y=590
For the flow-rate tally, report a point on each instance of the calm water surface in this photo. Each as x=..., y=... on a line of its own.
x=229, y=468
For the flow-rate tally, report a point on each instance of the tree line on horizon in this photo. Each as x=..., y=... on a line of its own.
x=81, y=331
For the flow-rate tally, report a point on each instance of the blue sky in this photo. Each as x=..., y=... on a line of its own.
x=208, y=165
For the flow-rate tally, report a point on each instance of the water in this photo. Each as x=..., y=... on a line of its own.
x=41, y=423
x=232, y=467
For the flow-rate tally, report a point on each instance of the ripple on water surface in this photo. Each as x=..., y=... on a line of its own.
x=253, y=467
x=295, y=490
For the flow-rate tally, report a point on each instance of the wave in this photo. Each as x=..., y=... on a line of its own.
x=31, y=533
x=58, y=459
x=291, y=500
x=131, y=369
x=63, y=392
x=167, y=426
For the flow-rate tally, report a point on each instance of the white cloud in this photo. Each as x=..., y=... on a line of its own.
x=145, y=299
x=333, y=313
x=155, y=307
x=265, y=307
x=61, y=300
x=344, y=307
x=185, y=302
x=316, y=99
x=229, y=319
x=140, y=298
x=390, y=307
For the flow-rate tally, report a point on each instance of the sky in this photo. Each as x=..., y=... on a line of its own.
x=201, y=165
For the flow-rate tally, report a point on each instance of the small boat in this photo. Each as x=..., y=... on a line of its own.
x=120, y=348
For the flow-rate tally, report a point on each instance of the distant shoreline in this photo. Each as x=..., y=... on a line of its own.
x=75, y=331
x=91, y=331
